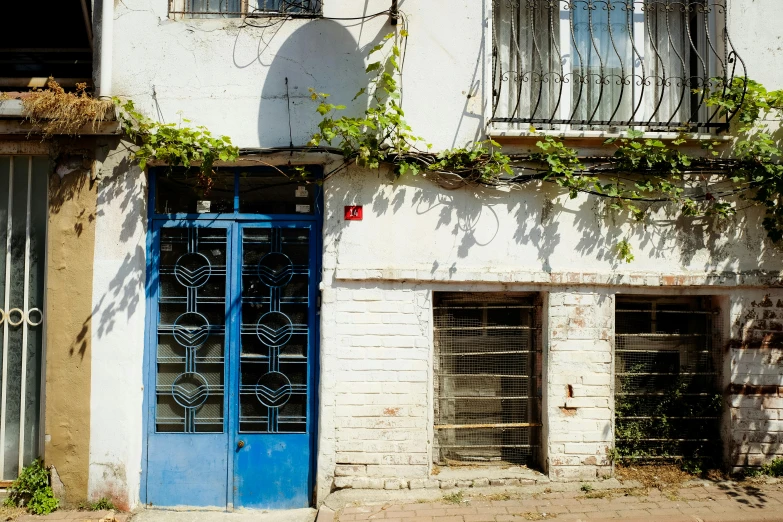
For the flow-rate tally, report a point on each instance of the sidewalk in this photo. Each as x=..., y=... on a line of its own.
x=709, y=502
x=162, y=515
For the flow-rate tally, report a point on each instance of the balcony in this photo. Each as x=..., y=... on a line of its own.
x=610, y=65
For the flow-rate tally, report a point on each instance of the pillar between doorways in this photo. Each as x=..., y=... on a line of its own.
x=578, y=384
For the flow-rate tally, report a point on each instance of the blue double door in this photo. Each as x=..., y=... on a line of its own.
x=232, y=363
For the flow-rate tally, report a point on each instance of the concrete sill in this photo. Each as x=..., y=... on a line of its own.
x=12, y=122
x=496, y=475
x=522, y=135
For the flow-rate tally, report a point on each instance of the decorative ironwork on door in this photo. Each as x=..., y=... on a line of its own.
x=191, y=330
x=274, y=357
x=232, y=333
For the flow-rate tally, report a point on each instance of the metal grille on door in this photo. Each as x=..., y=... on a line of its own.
x=273, y=372
x=191, y=330
x=23, y=218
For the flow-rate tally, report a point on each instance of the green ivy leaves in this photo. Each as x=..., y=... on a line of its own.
x=172, y=144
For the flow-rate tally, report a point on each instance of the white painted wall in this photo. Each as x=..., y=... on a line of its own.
x=231, y=77
x=118, y=336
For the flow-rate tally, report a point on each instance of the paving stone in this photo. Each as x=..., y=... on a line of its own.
x=432, y=512
x=601, y=514
x=633, y=513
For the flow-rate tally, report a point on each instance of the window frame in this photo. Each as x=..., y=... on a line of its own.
x=177, y=10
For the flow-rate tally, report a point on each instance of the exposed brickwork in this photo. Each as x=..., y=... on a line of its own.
x=377, y=384
x=756, y=379
x=578, y=377
x=376, y=391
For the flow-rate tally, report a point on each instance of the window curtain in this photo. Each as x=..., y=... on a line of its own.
x=213, y=8
x=602, y=60
x=528, y=73
x=675, y=58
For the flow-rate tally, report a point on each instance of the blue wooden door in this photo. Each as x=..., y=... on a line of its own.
x=187, y=444
x=276, y=315
x=231, y=350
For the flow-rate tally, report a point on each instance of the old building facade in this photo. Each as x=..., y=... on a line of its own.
x=271, y=340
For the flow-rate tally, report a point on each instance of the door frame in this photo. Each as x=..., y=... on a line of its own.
x=227, y=219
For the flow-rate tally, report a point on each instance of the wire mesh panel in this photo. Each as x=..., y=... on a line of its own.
x=667, y=400
x=487, y=385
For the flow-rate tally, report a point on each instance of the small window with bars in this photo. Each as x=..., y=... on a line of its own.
x=487, y=379
x=667, y=397
x=243, y=8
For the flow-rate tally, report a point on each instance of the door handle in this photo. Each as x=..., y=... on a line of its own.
x=240, y=444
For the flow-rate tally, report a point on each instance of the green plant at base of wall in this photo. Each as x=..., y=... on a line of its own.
x=31, y=490
x=102, y=504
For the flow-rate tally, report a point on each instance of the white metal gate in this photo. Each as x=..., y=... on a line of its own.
x=23, y=217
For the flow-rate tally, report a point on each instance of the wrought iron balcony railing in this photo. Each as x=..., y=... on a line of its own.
x=238, y=8
x=604, y=64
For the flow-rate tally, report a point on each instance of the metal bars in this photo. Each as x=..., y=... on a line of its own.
x=487, y=384
x=23, y=207
x=191, y=329
x=597, y=64
x=275, y=330
x=667, y=403
x=239, y=8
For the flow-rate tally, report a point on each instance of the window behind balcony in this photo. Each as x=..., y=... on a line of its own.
x=238, y=8
x=598, y=64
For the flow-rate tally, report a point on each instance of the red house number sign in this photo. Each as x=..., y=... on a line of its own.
x=353, y=213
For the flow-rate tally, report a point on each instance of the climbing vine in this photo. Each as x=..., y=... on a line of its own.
x=638, y=176
x=174, y=144
x=645, y=431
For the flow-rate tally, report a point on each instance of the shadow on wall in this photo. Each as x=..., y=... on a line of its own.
x=539, y=215
x=474, y=217
x=670, y=233
x=120, y=189
x=123, y=191
x=755, y=369
x=321, y=54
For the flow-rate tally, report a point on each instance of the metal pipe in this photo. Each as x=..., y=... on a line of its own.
x=26, y=317
x=6, y=307
x=87, y=21
x=107, y=37
x=394, y=13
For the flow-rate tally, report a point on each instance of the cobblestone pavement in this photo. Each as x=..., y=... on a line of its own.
x=721, y=502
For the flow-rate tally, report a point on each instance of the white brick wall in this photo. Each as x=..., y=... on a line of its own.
x=754, y=422
x=376, y=360
x=578, y=377
x=376, y=384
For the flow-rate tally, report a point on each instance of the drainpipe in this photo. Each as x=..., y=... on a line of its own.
x=107, y=39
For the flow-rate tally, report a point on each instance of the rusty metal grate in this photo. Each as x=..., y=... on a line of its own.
x=487, y=378
x=667, y=399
